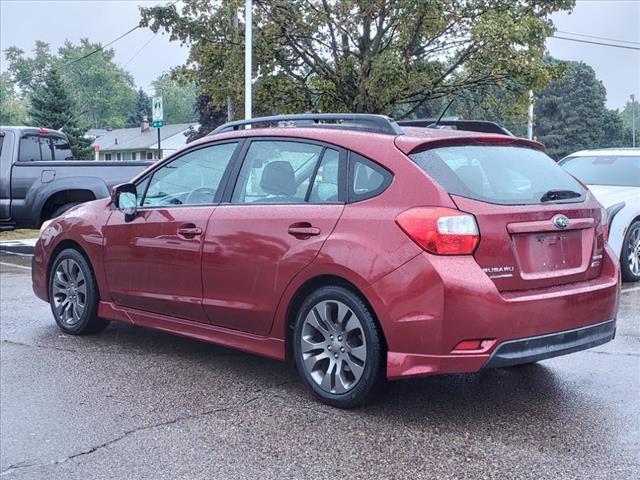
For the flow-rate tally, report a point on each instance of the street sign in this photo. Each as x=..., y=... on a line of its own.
x=157, y=115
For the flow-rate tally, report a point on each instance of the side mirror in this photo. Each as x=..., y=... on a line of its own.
x=125, y=198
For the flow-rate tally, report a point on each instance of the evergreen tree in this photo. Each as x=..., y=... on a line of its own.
x=52, y=107
x=208, y=117
x=571, y=114
x=141, y=109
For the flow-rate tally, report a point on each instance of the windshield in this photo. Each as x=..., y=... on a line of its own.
x=613, y=170
x=499, y=174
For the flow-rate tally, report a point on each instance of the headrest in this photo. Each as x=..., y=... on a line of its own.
x=278, y=178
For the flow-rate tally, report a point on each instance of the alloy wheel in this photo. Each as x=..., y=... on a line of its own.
x=69, y=292
x=333, y=346
x=634, y=251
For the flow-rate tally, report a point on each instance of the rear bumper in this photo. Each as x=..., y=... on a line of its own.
x=430, y=304
x=541, y=347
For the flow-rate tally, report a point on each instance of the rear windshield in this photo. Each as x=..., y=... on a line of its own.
x=613, y=170
x=499, y=174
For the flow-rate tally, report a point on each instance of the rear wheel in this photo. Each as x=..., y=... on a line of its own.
x=630, y=254
x=338, y=347
x=73, y=294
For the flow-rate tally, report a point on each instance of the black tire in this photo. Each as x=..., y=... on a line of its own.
x=88, y=321
x=63, y=208
x=626, y=251
x=373, y=372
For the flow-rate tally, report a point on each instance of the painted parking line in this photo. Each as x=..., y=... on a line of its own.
x=632, y=289
x=6, y=264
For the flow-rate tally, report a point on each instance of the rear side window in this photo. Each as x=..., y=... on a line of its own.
x=366, y=178
x=498, y=174
x=30, y=149
x=278, y=171
x=61, y=149
x=46, y=148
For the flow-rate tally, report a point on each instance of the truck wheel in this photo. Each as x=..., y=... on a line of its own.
x=73, y=294
x=338, y=348
x=63, y=208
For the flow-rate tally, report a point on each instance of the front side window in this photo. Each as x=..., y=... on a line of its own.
x=191, y=179
x=502, y=175
x=30, y=148
x=277, y=171
x=611, y=170
x=61, y=149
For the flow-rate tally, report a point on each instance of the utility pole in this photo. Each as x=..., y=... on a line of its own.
x=233, y=23
x=248, y=49
x=633, y=119
x=530, y=116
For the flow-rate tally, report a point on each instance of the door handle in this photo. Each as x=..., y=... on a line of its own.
x=189, y=230
x=303, y=229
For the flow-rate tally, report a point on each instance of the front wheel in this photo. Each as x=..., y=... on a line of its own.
x=630, y=254
x=338, y=347
x=73, y=294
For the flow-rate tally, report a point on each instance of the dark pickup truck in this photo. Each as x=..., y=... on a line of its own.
x=39, y=179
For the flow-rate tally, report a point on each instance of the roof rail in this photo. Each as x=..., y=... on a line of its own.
x=349, y=121
x=467, y=125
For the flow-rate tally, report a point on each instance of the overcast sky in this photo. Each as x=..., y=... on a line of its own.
x=22, y=22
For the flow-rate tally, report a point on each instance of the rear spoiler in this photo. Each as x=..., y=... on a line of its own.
x=482, y=126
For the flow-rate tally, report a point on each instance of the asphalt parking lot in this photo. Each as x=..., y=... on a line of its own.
x=131, y=403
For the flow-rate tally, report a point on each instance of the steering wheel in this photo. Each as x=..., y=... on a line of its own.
x=200, y=195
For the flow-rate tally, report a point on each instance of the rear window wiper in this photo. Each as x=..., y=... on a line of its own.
x=552, y=195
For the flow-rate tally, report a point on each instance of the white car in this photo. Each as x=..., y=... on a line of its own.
x=613, y=175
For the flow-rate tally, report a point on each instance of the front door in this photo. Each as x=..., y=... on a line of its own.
x=153, y=263
x=286, y=202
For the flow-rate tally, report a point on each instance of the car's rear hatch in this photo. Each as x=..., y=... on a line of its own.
x=521, y=247
x=538, y=226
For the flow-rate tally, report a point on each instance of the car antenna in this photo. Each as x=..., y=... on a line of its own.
x=435, y=125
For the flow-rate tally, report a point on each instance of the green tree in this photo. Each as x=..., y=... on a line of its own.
x=179, y=100
x=52, y=107
x=141, y=110
x=571, y=115
x=103, y=91
x=627, y=119
x=13, y=105
x=28, y=71
x=378, y=56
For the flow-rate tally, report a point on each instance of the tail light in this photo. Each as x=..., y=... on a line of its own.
x=442, y=231
x=604, y=220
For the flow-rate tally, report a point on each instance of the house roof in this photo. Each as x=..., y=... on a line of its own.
x=135, y=139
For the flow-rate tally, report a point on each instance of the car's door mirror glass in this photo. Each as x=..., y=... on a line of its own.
x=126, y=200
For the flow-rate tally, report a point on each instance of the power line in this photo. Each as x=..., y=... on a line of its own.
x=101, y=48
x=628, y=47
x=140, y=50
x=598, y=38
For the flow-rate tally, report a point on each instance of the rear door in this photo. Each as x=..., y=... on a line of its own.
x=287, y=200
x=538, y=226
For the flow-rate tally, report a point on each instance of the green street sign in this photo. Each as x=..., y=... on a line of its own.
x=158, y=123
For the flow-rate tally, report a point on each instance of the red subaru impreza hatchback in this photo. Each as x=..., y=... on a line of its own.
x=359, y=248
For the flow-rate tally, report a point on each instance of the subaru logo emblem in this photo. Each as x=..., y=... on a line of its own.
x=561, y=221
